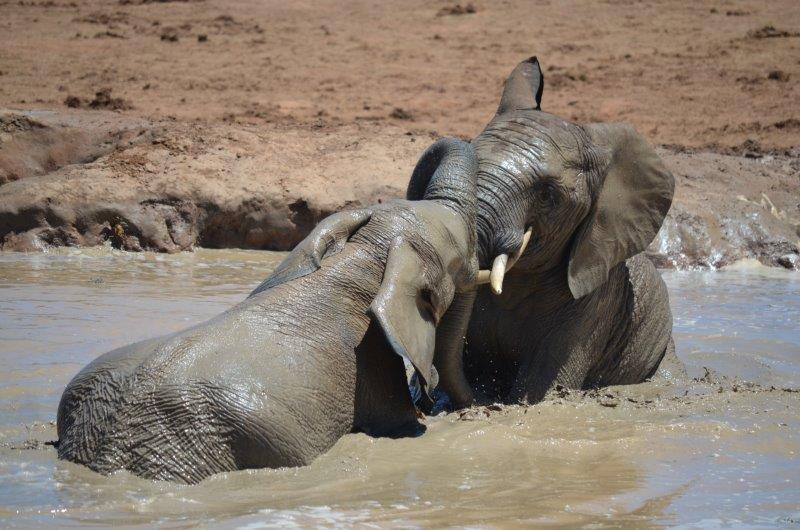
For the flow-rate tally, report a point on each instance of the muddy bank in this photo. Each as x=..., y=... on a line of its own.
x=85, y=178
x=241, y=124
x=173, y=186
x=39, y=142
x=728, y=208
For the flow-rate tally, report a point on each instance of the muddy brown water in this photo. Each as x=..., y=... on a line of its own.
x=720, y=450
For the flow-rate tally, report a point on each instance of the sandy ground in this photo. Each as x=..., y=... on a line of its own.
x=686, y=73
x=243, y=123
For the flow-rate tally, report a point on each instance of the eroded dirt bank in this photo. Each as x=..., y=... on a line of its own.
x=80, y=178
x=172, y=186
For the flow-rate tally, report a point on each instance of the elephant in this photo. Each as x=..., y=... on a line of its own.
x=571, y=207
x=316, y=351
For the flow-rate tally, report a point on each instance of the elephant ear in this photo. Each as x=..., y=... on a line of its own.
x=523, y=88
x=328, y=238
x=405, y=312
x=634, y=197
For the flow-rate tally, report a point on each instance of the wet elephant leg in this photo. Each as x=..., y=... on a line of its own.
x=449, y=357
x=671, y=368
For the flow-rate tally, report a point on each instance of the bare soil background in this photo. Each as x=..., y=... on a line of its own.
x=168, y=124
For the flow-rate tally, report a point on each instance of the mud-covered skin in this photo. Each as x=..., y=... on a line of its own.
x=312, y=354
x=582, y=307
x=573, y=343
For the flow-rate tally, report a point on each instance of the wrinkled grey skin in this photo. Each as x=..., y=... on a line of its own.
x=313, y=353
x=582, y=307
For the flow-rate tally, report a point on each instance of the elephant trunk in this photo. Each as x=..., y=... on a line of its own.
x=447, y=173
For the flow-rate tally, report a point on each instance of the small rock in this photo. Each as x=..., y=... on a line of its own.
x=73, y=102
x=561, y=391
x=778, y=75
x=169, y=35
x=608, y=400
x=401, y=114
x=103, y=100
x=789, y=261
x=202, y=38
x=457, y=9
x=466, y=415
x=771, y=32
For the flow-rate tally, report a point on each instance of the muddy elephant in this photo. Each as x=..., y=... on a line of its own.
x=571, y=207
x=315, y=352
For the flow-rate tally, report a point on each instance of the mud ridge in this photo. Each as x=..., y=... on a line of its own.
x=676, y=393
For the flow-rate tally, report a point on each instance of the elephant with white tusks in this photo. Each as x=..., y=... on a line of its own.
x=564, y=213
x=315, y=352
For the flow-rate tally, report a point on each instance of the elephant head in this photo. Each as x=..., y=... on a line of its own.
x=555, y=195
x=423, y=305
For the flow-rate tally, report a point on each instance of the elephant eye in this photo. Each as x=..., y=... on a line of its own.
x=546, y=195
x=428, y=298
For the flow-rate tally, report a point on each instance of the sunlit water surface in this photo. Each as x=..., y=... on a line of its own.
x=706, y=454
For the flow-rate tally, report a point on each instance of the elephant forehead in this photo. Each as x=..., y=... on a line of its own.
x=423, y=216
x=506, y=163
x=400, y=217
x=422, y=223
x=522, y=146
x=441, y=236
x=529, y=134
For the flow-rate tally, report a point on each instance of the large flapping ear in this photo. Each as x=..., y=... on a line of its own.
x=328, y=238
x=403, y=312
x=523, y=88
x=635, y=196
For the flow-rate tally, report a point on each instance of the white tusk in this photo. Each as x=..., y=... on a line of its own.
x=495, y=276
x=526, y=237
x=498, y=271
